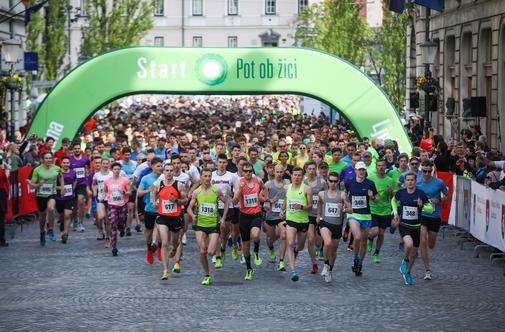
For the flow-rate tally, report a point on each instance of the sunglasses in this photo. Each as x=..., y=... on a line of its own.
x=414, y=164
x=303, y=148
x=247, y=170
x=426, y=170
x=333, y=181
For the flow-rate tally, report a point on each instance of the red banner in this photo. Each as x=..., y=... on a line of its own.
x=21, y=197
x=445, y=206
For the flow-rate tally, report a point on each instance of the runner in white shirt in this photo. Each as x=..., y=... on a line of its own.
x=98, y=193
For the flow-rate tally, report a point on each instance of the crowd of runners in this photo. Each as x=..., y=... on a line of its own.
x=232, y=168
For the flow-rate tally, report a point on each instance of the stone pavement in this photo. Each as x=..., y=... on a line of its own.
x=81, y=287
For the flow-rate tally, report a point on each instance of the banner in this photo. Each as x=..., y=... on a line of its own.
x=488, y=215
x=463, y=202
x=445, y=206
x=22, y=199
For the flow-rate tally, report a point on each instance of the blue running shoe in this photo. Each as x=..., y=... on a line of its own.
x=401, y=247
x=52, y=237
x=294, y=276
x=392, y=229
x=404, y=267
x=408, y=279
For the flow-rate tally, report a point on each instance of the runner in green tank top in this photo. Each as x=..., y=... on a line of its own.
x=296, y=208
x=205, y=222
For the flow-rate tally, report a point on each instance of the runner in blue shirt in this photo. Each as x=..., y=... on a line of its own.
x=436, y=190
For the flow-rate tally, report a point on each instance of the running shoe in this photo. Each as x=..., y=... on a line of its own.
x=114, y=251
x=234, y=253
x=64, y=238
x=229, y=242
x=107, y=242
x=43, y=239
x=172, y=253
x=358, y=271
x=128, y=231
x=158, y=253
x=249, y=274
x=281, y=266
x=52, y=237
x=408, y=279
x=81, y=227
x=121, y=233
x=271, y=255
x=165, y=275
x=88, y=215
x=427, y=275
x=219, y=263
x=350, y=247
x=404, y=267
x=325, y=270
x=314, y=269
x=401, y=246
x=150, y=257
x=355, y=265
x=257, y=259
x=392, y=229
x=207, y=280
x=294, y=276
x=327, y=277
x=242, y=259
x=184, y=239
x=345, y=236
x=138, y=228
x=214, y=258
x=376, y=258
x=177, y=268
x=369, y=245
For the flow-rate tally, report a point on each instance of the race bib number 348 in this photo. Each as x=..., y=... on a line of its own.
x=359, y=202
x=410, y=213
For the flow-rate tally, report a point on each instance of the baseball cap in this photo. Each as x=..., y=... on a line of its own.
x=360, y=165
x=323, y=164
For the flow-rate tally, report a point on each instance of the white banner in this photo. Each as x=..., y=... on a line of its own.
x=487, y=220
x=452, y=214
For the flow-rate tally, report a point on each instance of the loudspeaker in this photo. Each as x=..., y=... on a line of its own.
x=431, y=103
x=414, y=100
x=467, y=108
x=450, y=105
x=478, y=107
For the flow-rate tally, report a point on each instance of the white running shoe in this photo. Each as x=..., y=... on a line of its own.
x=427, y=275
x=81, y=227
x=214, y=259
x=325, y=270
x=327, y=277
x=184, y=239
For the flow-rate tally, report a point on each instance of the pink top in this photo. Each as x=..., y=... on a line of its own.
x=115, y=189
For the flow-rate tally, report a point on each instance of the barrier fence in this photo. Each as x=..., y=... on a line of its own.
x=21, y=199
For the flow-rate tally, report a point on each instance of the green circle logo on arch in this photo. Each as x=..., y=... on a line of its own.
x=208, y=71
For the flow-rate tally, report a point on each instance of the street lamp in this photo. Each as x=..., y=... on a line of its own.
x=428, y=53
x=11, y=50
x=73, y=15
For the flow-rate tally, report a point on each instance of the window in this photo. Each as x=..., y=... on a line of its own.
x=232, y=7
x=84, y=4
x=197, y=41
x=232, y=41
x=159, y=41
x=270, y=7
x=159, y=7
x=197, y=7
x=302, y=4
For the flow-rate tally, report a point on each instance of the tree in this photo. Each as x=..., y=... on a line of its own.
x=115, y=24
x=336, y=27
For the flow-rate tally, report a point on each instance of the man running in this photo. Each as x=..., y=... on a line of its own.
x=205, y=198
x=117, y=189
x=437, y=191
x=169, y=196
x=65, y=200
x=44, y=180
x=80, y=164
x=317, y=185
x=275, y=227
x=407, y=205
x=247, y=192
x=330, y=216
x=101, y=200
x=359, y=193
x=296, y=209
x=381, y=211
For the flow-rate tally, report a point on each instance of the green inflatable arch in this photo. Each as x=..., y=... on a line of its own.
x=136, y=70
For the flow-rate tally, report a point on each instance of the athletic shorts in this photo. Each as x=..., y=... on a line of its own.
x=313, y=220
x=273, y=223
x=150, y=219
x=66, y=204
x=141, y=205
x=132, y=197
x=433, y=224
x=413, y=232
x=382, y=222
x=174, y=224
x=81, y=190
x=362, y=223
x=336, y=230
x=247, y=222
x=235, y=215
x=228, y=215
x=207, y=230
x=42, y=202
x=300, y=226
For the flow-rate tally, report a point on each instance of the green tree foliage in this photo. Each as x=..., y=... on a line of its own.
x=115, y=24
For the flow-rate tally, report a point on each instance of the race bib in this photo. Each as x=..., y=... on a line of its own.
x=67, y=190
x=358, y=202
x=251, y=201
x=46, y=189
x=100, y=188
x=332, y=210
x=291, y=205
x=276, y=207
x=168, y=207
x=80, y=172
x=117, y=197
x=315, y=200
x=410, y=213
x=207, y=209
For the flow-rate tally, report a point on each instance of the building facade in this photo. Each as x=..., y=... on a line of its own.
x=470, y=62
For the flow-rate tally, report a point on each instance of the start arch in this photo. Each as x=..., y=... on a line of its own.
x=228, y=71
